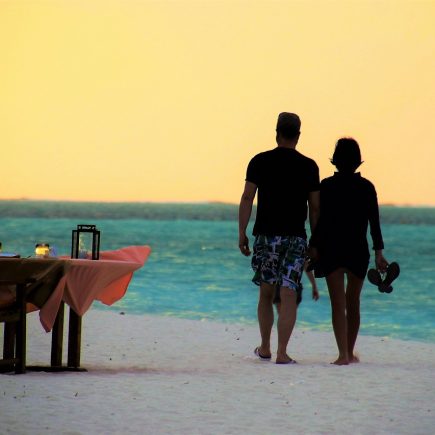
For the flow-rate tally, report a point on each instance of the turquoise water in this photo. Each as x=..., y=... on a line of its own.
x=196, y=271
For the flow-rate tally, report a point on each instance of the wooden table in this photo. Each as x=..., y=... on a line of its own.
x=30, y=281
x=82, y=282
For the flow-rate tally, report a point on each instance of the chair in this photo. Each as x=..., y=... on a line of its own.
x=14, y=341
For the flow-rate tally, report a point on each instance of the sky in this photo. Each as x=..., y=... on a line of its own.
x=104, y=100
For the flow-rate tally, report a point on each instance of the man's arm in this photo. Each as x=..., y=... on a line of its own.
x=314, y=209
x=313, y=213
x=245, y=210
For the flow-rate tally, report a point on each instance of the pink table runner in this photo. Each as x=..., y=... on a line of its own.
x=105, y=280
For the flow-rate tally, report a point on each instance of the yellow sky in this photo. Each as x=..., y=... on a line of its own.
x=168, y=100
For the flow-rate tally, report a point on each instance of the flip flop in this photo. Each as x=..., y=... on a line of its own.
x=384, y=285
x=393, y=271
x=374, y=277
x=292, y=361
x=262, y=357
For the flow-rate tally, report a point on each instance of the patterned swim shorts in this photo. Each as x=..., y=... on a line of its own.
x=279, y=260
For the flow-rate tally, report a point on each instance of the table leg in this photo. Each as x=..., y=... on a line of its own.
x=9, y=340
x=74, y=342
x=74, y=339
x=20, y=351
x=57, y=337
x=10, y=329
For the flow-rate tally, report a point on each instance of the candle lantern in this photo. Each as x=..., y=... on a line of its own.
x=85, y=240
x=42, y=250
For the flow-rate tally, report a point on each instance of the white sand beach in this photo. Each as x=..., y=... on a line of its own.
x=159, y=375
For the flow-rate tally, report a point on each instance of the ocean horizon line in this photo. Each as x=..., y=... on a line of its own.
x=176, y=202
x=171, y=211
x=205, y=201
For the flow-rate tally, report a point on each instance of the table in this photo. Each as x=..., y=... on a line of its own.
x=29, y=281
x=46, y=273
x=106, y=280
x=79, y=283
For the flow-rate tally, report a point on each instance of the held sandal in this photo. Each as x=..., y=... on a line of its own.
x=384, y=285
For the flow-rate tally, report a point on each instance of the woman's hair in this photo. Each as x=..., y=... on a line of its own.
x=347, y=155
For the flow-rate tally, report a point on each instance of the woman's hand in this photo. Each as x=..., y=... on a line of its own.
x=381, y=262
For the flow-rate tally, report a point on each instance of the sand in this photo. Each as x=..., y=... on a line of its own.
x=161, y=375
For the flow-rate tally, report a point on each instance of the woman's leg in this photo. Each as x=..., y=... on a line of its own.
x=353, y=292
x=335, y=282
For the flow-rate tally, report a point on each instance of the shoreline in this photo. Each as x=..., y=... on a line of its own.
x=164, y=375
x=302, y=325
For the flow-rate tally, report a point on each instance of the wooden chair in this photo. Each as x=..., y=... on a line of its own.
x=14, y=341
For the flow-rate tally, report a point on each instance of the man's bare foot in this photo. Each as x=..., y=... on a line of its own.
x=341, y=361
x=353, y=359
x=266, y=355
x=284, y=359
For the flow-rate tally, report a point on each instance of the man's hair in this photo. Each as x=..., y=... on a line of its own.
x=288, y=125
x=347, y=155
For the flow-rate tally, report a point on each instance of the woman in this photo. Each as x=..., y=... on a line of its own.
x=348, y=203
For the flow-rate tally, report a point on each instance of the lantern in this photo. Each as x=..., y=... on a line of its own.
x=85, y=239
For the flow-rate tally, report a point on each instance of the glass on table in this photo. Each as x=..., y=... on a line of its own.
x=42, y=250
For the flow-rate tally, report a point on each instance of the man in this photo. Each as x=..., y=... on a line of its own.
x=286, y=181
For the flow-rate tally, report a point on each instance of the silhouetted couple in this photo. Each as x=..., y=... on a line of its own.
x=339, y=209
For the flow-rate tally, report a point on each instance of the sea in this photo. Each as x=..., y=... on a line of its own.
x=196, y=271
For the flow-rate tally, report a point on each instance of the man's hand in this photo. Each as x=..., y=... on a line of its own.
x=312, y=253
x=245, y=210
x=244, y=245
x=316, y=295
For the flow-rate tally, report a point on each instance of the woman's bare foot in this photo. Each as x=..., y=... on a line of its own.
x=353, y=359
x=341, y=361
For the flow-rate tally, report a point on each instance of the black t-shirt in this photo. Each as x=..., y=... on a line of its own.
x=284, y=178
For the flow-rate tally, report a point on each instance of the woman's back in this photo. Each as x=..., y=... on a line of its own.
x=347, y=202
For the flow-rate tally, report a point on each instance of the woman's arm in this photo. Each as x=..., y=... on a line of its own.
x=376, y=233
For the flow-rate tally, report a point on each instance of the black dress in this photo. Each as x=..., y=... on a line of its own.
x=348, y=203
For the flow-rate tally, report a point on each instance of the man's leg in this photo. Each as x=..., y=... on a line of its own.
x=265, y=316
x=353, y=292
x=286, y=323
x=335, y=281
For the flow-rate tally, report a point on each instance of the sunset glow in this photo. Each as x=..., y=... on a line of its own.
x=168, y=100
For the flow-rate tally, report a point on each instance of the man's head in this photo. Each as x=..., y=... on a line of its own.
x=288, y=126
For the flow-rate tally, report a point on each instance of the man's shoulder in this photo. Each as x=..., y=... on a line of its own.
x=288, y=156
x=262, y=157
x=263, y=154
x=305, y=162
x=307, y=159
x=328, y=180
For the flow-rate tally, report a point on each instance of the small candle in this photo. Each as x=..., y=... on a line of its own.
x=42, y=250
